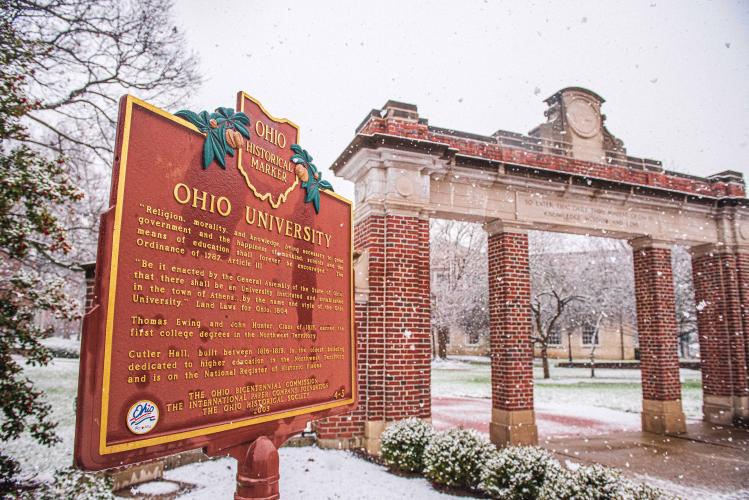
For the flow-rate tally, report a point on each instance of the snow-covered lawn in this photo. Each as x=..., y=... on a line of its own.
x=568, y=390
x=59, y=381
x=58, y=343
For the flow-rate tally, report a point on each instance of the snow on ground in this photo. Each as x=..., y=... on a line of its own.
x=311, y=473
x=688, y=492
x=553, y=420
x=569, y=391
x=155, y=488
x=71, y=344
x=59, y=381
x=567, y=403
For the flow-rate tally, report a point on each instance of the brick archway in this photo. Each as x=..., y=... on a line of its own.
x=570, y=174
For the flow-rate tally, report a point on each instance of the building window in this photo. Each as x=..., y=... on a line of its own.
x=589, y=333
x=473, y=336
x=555, y=335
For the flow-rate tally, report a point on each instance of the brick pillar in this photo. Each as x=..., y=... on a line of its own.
x=656, y=326
x=346, y=431
x=393, y=332
x=742, y=266
x=720, y=289
x=513, y=419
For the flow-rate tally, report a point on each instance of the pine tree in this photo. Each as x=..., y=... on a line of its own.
x=32, y=188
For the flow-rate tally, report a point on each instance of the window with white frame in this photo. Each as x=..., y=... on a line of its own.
x=589, y=334
x=555, y=335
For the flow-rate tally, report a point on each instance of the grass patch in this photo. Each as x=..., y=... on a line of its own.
x=588, y=385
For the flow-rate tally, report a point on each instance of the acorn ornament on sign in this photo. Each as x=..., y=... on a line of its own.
x=227, y=130
x=224, y=129
x=311, y=178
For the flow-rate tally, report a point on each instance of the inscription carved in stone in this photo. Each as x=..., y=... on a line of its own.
x=599, y=216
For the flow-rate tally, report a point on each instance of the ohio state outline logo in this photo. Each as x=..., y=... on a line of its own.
x=142, y=416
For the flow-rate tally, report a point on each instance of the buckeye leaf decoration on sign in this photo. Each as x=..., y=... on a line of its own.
x=224, y=129
x=311, y=178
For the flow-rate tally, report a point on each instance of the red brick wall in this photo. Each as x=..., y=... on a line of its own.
x=393, y=329
x=350, y=425
x=717, y=291
x=407, y=318
x=742, y=264
x=510, y=322
x=656, y=324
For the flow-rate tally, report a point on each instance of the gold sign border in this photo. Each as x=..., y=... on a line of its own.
x=105, y=449
x=265, y=196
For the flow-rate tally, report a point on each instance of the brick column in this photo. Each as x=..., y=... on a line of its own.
x=346, y=431
x=720, y=289
x=742, y=266
x=393, y=332
x=513, y=419
x=656, y=326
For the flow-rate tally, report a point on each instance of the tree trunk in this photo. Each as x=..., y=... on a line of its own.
x=433, y=342
x=569, y=346
x=545, y=360
x=684, y=346
x=442, y=334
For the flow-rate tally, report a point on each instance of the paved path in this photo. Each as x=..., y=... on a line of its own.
x=552, y=420
x=709, y=458
x=708, y=462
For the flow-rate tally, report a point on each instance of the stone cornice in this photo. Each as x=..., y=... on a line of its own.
x=498, y=226
x=381, y=207
x=718, y=248
x=644, y=242
x=523, y=163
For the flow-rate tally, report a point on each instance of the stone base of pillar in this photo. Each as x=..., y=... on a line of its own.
x=725, y=410
x=513, y=427
x=353, y=443
x=131, y=475
x=741, y=410
x=717, y=409
x=663, y=417
x=373, y=429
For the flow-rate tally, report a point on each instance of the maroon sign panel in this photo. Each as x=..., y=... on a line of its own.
x=224, y=299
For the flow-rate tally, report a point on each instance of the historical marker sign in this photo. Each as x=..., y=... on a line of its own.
x=224, y=289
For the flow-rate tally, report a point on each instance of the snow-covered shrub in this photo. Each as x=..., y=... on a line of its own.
x=639, y=491
x=595, y=482
x=517, y=472
x=456, y=458
x=602, y=482
x=64, y=352
x=9, y=468
x=72, y=483
x=561, y=484
x=403, y=444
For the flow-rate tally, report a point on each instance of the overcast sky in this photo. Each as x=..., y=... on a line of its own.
x=675, y=75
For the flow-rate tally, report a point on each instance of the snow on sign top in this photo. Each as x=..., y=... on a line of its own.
x=224, y=289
